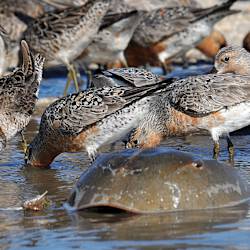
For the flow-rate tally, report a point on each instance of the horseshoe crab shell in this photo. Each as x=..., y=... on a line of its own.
x=157, y=180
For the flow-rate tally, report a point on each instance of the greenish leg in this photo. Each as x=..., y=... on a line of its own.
x=216, y=150
x=230, y=148
x=67, y=84
x=24, y=144
x=74, y=77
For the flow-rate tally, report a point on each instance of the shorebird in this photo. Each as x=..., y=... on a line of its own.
x=134, y=77
x=217, y=103
x=18, y=95
x=88, y=120
x=246, y=42
x=233, y=59
x=62, y=35
x=110, y=42
x=170, y=32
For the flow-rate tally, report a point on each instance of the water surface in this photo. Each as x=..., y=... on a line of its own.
x=55, y=228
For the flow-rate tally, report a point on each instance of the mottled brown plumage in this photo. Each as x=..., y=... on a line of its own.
x=88, y=120
x=18, y=95
x=171, y=32
x=62, y=35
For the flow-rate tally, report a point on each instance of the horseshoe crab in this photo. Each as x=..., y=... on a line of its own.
x=157, y=180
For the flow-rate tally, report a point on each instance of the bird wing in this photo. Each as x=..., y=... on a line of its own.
x=75, y=112
x=18, y=90
x=163, y=23
x=12, y=90
x=110, y=19
x=54, y=23
x=201, y=95
x=135, y=76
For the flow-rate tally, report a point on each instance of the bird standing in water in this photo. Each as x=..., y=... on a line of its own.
x=87, y=120
x=217, y=103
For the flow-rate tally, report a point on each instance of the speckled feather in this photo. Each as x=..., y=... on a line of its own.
x=18, y=93
x=62, y=29
x=165, y=22
x=201, y=95
x=218, y=104
x=18, y=90
x=135, y=77
x=76, y=112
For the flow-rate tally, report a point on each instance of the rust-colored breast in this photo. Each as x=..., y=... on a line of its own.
x=181, y=123
x=77, y=143
x=212, y=44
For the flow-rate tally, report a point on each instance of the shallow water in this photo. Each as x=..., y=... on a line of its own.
x=227, y=228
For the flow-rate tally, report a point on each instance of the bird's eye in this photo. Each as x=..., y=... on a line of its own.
x=226, y=59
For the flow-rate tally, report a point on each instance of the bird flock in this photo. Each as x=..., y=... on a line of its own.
x=122, y=100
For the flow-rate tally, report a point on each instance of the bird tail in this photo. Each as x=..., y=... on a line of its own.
x=28, y=65
x=219, y=11
x=31, y=66
x=136, y=93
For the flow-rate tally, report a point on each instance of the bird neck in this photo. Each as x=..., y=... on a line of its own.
x=41, y=154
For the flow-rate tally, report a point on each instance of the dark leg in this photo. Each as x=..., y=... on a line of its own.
x=230, y=148
x=216, y=150
x=89, y=76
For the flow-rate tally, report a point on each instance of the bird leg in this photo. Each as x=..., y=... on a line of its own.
x=89, y=78
x=67, y=84
x=24, y=144
x=216, y=150
x=72, y=76
x=230, y=148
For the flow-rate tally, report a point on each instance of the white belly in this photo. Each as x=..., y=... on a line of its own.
x=117, y=125
x=235, y=118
